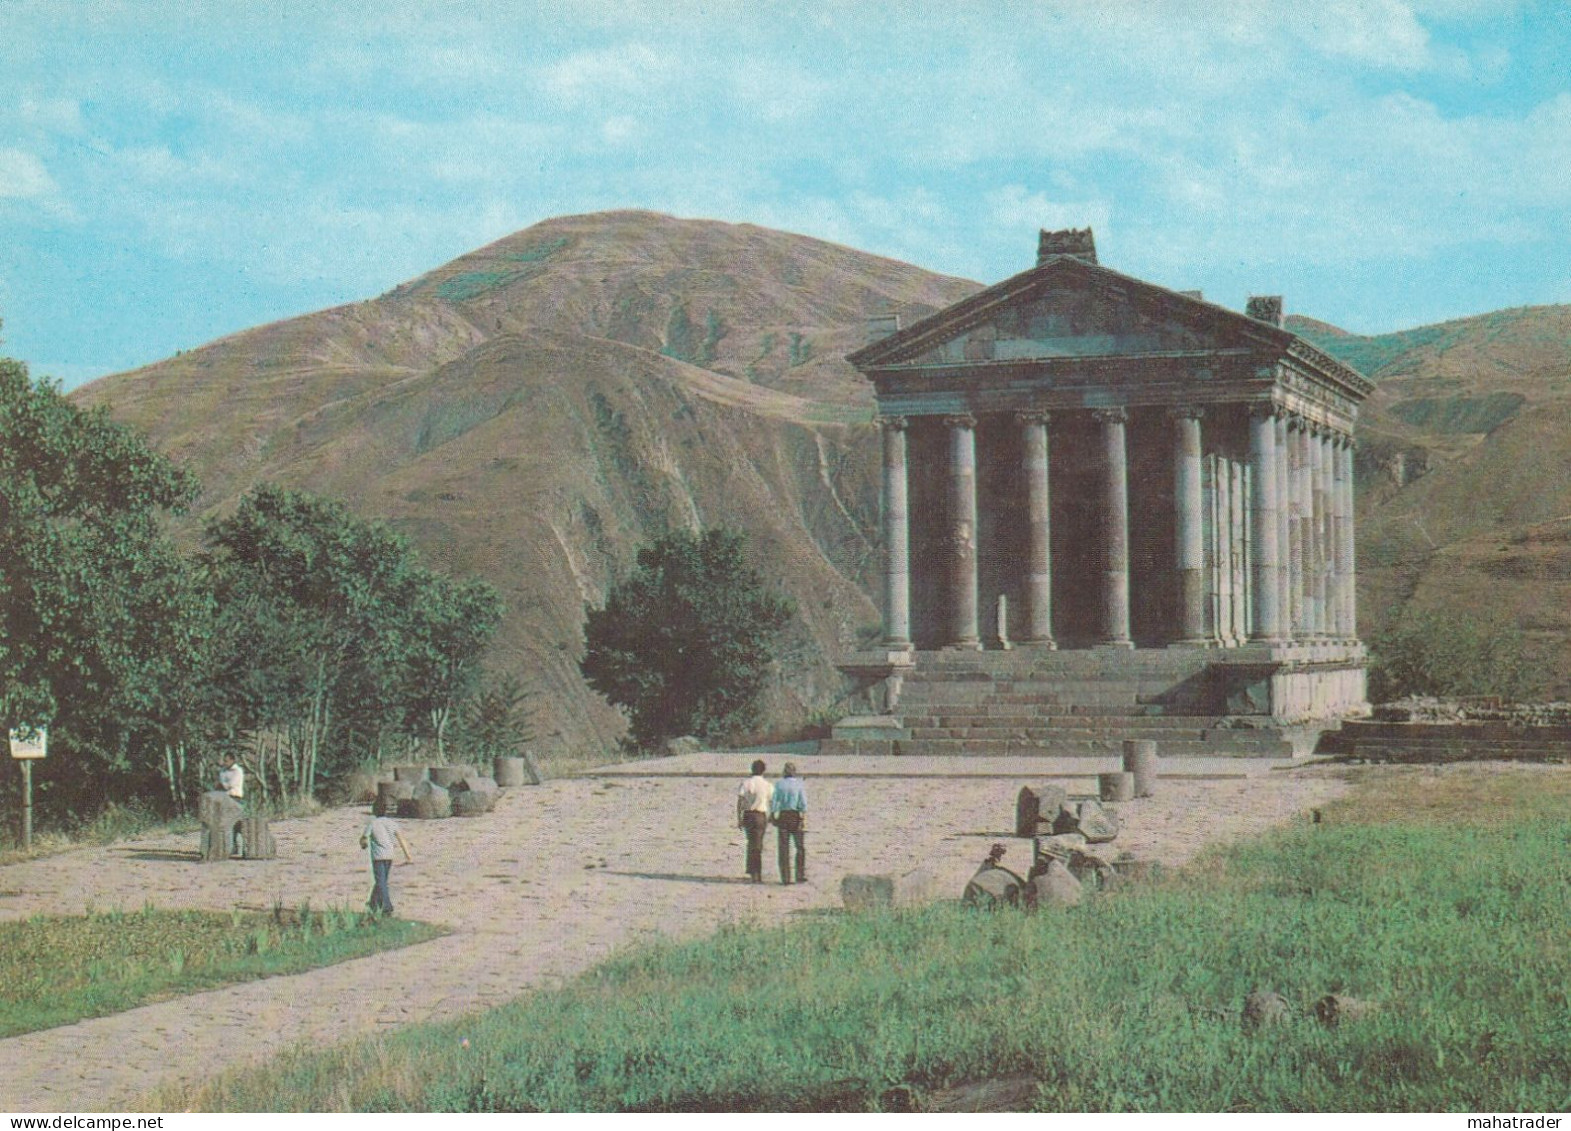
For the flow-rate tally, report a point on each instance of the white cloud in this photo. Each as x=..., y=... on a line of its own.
x=23, y=176
x=627, y=69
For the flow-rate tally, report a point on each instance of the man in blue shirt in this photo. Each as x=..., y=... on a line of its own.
x=788, y=810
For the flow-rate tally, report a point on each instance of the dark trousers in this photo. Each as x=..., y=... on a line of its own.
x=381, y=895
x=790, y=827
x=755, y=825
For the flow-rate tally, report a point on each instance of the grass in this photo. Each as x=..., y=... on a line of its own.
x=60, y=969
x=1444, y=898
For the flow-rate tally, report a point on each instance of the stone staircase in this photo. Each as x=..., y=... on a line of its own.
x=1064, y=704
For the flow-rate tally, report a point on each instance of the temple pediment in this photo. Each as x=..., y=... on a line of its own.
x=1066, y=322
x=1069, y=308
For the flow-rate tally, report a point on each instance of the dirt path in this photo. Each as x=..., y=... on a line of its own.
x=552, y=882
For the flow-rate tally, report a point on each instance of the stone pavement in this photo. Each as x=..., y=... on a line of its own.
x=558, y=878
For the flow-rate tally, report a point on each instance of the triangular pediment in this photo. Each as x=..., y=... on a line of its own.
x=1068, y=308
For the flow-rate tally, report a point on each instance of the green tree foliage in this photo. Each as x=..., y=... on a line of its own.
x=333, y=644
x=496, y=720
x=1450, y=653
x=686, y=642
x=99, y=621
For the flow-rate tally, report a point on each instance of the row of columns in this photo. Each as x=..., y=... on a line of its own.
x=1288, y=514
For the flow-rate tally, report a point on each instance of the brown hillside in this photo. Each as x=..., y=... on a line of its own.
x=536, y=411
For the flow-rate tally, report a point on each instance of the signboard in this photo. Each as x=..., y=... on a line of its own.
x=29, y=748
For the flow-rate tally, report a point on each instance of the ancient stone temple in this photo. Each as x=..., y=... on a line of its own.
x=1109, y=506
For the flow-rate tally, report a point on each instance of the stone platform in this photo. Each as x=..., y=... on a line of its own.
x=1253, y=701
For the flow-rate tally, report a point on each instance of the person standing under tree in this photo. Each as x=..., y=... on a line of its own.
x=788, y=810
x=752, y=817
x=380, y=835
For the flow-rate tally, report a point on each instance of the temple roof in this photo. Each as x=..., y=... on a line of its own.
x=1068, y=307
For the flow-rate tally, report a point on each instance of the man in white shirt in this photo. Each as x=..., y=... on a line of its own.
x=232, y=782
x=752, y=817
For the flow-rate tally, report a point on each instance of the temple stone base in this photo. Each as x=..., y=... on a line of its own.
x=1252, y=701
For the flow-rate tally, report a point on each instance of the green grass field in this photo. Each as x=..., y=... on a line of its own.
x=60, y=969
x=1444, y=901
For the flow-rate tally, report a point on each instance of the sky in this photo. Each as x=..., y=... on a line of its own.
x=173, y=172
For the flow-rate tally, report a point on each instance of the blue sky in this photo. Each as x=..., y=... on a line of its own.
x=172, y=172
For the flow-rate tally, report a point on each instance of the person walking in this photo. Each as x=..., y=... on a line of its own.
x=381, y=833
x=788, y=811
x=752, y=817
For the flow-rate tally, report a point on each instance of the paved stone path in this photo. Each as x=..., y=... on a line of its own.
x=559, y=877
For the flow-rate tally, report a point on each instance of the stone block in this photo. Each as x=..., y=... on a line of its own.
x=485, y=788
x=1055, y=886
x=409, y=773
x=1096, y=823
x=1035, y=802
x=429, y=802
x=467, y=803
x=1140, y=760
x=219, y=814
x=909, y=889
x=389, y=794
x=1059, y=846
x=1333, y=1009
x=256, y=839
x=994, y=887
x=445, y=776
x=1263, y=1008
x=1116, y=786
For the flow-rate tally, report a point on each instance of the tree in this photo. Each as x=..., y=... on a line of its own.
x=332, y=639
x=687, y=640
x=96, y=613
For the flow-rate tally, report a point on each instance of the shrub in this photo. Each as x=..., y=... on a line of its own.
x=1449, y=653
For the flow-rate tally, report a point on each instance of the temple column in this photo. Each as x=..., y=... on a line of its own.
x=1221, y=550
x=1284, y=580
x=1262, y=459
x=1115, y=528
x=962, y=532
x=897, y=536
x=1299, y=565
x=1349, y=543
x=1039, y=563
x=1189, y=526
x=1319, y=622
x=1235, y=531
x=1337, y=592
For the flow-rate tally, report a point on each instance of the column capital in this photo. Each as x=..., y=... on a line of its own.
x=1115, y=415
x=959, y=420
x=1268, y=410
x=1343, y=439
x=1297, y=421
x=893, y=423
x=1186, y=412
x=1034, y=416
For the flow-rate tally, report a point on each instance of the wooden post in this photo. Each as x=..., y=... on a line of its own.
x=27, y=805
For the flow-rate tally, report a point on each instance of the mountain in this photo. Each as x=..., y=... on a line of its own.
x=536, y=411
